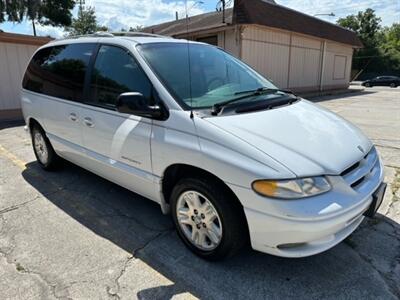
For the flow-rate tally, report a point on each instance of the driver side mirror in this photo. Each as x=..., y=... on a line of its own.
x=135, y=103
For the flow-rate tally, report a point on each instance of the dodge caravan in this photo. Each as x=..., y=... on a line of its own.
x=230, y=156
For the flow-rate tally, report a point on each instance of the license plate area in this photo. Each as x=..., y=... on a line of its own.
x=377, y=198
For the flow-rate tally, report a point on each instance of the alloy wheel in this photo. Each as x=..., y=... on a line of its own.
x=40, y=147
x=199, y=220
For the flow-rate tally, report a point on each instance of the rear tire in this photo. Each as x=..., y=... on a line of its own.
x=44, y=152
x=368, y=84
x=209, y=222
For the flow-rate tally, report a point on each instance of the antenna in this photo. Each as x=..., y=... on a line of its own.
x=189, y=66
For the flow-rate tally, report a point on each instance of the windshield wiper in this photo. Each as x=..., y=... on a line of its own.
x=267, y=104
x=264, y=89
x=216, y=109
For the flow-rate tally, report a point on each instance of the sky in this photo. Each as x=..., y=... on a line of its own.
x=117, y=14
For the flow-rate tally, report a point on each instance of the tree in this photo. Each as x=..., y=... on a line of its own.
x=367, y=26
x=390, y=47
x=102, y=28
x=85, y=23
x=137, y=28
x=45, y=12
x=391, y=38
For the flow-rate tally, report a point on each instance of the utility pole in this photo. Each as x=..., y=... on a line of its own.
x=223, y=10
x=221, y=5
x=33, y=26
x=81, y=4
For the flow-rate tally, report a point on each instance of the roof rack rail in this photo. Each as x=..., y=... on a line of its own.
x=138, y=33
x=96, y=34
x=114, y=34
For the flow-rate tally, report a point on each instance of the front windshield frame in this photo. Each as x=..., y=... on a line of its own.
x=181, y=102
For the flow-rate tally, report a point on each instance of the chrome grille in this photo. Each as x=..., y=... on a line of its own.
x=358, y=173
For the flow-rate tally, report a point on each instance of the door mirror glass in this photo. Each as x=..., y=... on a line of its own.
x=135, y=103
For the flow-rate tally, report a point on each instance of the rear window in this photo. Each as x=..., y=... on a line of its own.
x=59, y=71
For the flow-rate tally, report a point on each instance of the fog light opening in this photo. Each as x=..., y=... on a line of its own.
x=290, y=245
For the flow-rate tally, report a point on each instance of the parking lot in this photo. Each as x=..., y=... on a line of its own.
x=71, y=234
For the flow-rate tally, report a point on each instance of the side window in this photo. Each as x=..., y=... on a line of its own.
x=59, y=71
x=115, y=72
x=34, y=77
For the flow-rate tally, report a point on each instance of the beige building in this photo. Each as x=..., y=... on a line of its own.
x=15, y=53
x=294, y=50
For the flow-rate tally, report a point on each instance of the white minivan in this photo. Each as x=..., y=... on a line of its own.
x=234, y=159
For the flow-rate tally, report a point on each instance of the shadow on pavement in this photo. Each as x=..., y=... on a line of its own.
x=340, y=96
x=361, y=267
x=10, y=124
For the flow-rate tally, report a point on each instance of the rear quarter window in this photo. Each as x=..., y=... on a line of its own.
x=59, y=71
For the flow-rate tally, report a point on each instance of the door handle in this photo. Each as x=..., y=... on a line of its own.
x=73, y=117
x=88, y=122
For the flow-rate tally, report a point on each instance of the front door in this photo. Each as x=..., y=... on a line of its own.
x=118, y=145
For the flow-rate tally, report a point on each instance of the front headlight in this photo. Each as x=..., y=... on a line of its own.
x=293, y=188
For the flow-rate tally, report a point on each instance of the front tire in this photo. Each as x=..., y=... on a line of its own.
x=44, y=152
x=393, y=85
x=207, y=218
x=368, y=84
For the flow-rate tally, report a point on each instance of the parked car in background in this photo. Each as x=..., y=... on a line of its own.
x=391, y=81
x=233, y=158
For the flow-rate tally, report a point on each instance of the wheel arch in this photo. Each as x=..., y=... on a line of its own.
x=176, y=172
x=31, y=122
x=173, y=173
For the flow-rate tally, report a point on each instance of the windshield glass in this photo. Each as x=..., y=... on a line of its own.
x=215, y=75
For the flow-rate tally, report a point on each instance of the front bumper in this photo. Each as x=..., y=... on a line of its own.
x=300, y=238
x=304, y=227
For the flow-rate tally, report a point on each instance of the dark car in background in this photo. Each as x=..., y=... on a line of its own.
x=391, y=81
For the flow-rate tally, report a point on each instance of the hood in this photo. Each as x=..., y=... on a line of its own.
x=306, y=138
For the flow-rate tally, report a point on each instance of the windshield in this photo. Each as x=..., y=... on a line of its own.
x=215, y=75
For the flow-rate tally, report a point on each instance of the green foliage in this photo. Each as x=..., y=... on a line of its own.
x=381, y=52
x=367, y=26
x=46, y=12
x=137, y=28
x=390, y=46
x=102, y=28
x=391, y=38
x=85, y=23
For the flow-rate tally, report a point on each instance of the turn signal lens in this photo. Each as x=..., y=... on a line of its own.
x=292, y=189
x=265, y=187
